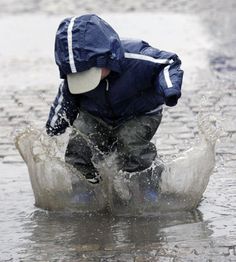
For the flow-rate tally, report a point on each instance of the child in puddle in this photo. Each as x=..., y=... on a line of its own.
x=112, y=93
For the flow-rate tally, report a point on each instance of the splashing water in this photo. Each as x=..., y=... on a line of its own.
x=58, y=186
x=55, y=184
x=185, y=178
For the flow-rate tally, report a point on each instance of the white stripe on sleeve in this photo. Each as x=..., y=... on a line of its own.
x=70, y=47
x=157, y=61
x=58, y=107
x=148, y=58
x=167, y=77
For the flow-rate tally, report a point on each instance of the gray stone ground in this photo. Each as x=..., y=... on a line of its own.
x=101, y=6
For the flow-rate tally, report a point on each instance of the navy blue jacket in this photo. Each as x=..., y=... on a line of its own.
x=142, y=78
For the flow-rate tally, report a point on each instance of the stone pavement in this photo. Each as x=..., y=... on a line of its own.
x=89, y=6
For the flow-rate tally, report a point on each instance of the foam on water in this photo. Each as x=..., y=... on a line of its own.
x=58, y=186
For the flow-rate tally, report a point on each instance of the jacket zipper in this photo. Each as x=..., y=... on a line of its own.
x=107, y=98
x=107, y=85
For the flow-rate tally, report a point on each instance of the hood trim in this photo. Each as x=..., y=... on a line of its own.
x=87, y=41
x=70, y=47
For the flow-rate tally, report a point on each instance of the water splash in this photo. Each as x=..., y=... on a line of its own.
x=185, y=178
x=55, y=184
x=58, y=186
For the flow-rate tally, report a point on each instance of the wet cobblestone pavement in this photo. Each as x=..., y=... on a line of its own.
x=28, y=80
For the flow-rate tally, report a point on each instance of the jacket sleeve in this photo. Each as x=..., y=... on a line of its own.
x=63, y=111
x=170, y=75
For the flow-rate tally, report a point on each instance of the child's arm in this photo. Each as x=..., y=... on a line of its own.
x=170, y=75
x=63, y=112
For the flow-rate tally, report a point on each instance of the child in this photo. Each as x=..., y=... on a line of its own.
x=112, y=93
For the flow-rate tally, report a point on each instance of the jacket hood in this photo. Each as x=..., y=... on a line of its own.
x=84, y=42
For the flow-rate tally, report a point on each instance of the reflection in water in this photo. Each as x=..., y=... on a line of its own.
x=60, y=235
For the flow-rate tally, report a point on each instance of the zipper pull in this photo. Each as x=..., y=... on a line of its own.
x=107, y=86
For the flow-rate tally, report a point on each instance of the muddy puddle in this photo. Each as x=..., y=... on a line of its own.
x=207, y=233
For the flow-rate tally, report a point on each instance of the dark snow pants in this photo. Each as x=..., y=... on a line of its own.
x=131, y=139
